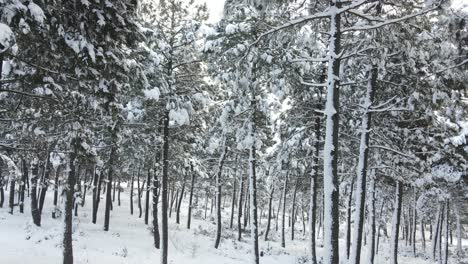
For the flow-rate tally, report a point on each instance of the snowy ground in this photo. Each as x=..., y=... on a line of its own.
x=130, y=240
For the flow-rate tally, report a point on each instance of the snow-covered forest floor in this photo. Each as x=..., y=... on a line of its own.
x=130, y=240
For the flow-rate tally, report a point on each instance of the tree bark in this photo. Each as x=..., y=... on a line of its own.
x=447, y=220
x=253, y=184
x=270, y=203
x=23, y=186
x=131, y=192
x=97, y=195
x=219, y=194
x=56, y=186
x=331, y=150
x=164, y=205
x=362, y=168
x=156, y=235
x=293, y=210
x=348, y=220
x=285, y=190
x=239, y=213
x=148, y=189
x=70, y=190
x=396, y=223
x=179, y=203
x=192, y=186
x=233, y=203
x=372, y=220
x=34, y=203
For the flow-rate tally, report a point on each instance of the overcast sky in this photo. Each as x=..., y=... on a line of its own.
x=216, y=9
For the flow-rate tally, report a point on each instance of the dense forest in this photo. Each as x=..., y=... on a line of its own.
x=306, y=131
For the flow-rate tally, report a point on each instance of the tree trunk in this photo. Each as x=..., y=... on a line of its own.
x=179, y=203
x=436, y=233
x=139, y=194
x=233, y=204
x=348, y=222
x=415, y=215
x=447, y=220
x=218, y=193
x=253, y=185
x=69, y=187
x=396, y=223
x=156, y=235
x=97, y=195
x=56, y=186
x=11, y=200
x=293, y=210
x=131, y=192
x=23, y=186
x=372, y=220
x=34, y=206
x=313, y=185
x=164, y=205
x=331, y=150
x=239, y=213
x=112, y=159
x=285, y=190
x=148, y=189
x=2, y=194
x=77, y=190
x=85, y=187
x=459, y=234
x=423, y=236
x=192, y=186
x=278, y=210
x=270, y=202
x=362, y=168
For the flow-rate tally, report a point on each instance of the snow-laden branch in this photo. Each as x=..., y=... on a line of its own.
x=28, y=94
x=391, y=21
x=448, y=68
x=392, y=150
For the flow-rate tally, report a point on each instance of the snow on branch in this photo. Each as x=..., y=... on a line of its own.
x=392, y=150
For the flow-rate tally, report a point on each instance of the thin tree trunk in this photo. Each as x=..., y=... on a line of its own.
x=192, y=186
x=156, y=235
x=423, y=236
x=447, y=220
x=131, y=192
x=218, y=193
x=278, y=210
x=179, y=203
x=253, y=185
x=396, y=223
x=372, y=220
x=110, y=174
x=459, y=234
x=139, y=194
x=362, y=168
x=69, y=187
x=415, y=215
x=436, y=233
x=293, y=210
x=34, y=206
x=97, y=196
x=85, y=187
x=313, y=185
x=348, y=219
x=239, y=213
x=233, y=204
x=148, y=189
x=23, y=186
x=285, y=189
x=119, y=190
x=164, y=205
x=270, y=202
x=56, y=186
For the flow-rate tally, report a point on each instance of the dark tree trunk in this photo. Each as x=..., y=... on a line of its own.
x=447, y=220
x=22, y=186
x=156, y=235
x=233, y=204
x=110, y=174
x=119, y=190
x=218, y=194
x=372, y=221
x=34, y=206
x=2, y=194
x=11, y=200
x=348, y=219
x=148, y=189
x=396, y=222
x=77, y=189
x=285, y=189
x=239, y=213
x=313, y=185
x=179, y=204
x=175, y=196
x=293, y=210
x=436, y=233
x=253, y=184
x=164, y=205
x=131, y=192
x=270, y=205
x=44, y=183
x=85, y=187
x=423, y=236
x=97, y=196
x=362, y=168
x=192, y=186
x=139, y=194
x=278, y=210
x=413, y=234
x=56, y=186
x=67, y=236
